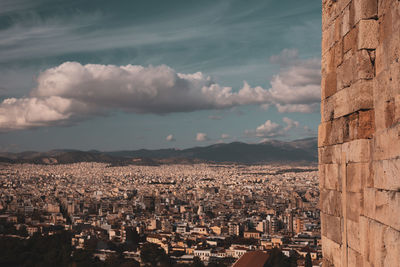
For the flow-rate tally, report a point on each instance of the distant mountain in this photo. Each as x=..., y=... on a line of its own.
x=298, y=151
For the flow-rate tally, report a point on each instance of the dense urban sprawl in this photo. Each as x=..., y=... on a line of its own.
x=213, y=212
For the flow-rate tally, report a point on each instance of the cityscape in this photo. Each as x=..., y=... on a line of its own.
x=213, y=133
x=208, y=213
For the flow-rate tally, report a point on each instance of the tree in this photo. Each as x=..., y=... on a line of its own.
x=308, y=262
x=153, y=255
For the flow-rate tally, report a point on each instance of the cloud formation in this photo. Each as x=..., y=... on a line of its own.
x=170, y=138
x=71, y=92
x=271, y=129
x=201, y=137
x=225, y=136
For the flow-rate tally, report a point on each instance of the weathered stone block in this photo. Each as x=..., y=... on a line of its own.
x=331, y=251
x=391, y=241
x=366, y=124
x=353, y=235
x=364, y=68
x=324, y=130
x=357, y=150
x=332, y=177
x=367, y=34
x=346, y=21
x=387, y=174
x=331, y=202
x=332, y=227
x=357, y=175
x=338, y=53
x=365, y=9
x=330, y=154
x=330, y=84
x=327, y=108
x=345, y=73
x=350, y=40
x=328, y=39
x=354, y=258
x=361, y=95
x=371, y=238
x=369, y=202
x=387, y=143
x=354, y=205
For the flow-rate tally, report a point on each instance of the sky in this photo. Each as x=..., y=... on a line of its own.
x=129, y=74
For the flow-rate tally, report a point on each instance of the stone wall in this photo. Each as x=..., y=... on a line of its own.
x=359, y=134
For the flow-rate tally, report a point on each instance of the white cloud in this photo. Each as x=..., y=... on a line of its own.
x=225, y=136
x=170, y=138
x=269, y=129
x=72, y=91
x=272, y=129
x=201, y=137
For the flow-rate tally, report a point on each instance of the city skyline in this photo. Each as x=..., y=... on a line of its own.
x=98, y=75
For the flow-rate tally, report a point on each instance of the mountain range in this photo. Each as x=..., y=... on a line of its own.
x=297, y=151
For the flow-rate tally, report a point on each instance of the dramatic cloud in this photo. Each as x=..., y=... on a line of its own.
x=71, y=92
x=170, y=138
x=201, y=137
x=271, y=129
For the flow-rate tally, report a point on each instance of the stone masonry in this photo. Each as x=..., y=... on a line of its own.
x=359, y=134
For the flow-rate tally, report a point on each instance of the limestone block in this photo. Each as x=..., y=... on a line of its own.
x=346, y=21
x=330, y=154
x=357, y=175
x=331, y=251
x=366, y=124
x=324, y=130
x=321, y=175
x=330, y=10
x=393, y=218
x=338, y=53
x=387, y=174
x=357, y=150
x=336, y=136
x=385, y=28
x=327, y=108
x=369, y=202
x=387, y=143
x=350, y=128
x=382, y=59
x=353, y=236
x=342, y=103
x=365, y=9
x=367, y=34
x=387, y=208
x=354, y=258
x=328, y=38
x=397, y=108
x=383, y=7
x=330, y=202
x=331, y=227
x=345, y=73
x=329, y=85
x=350, y=40
x=392, y=247
x=361, y=96
x=332, y=178
x=354, y=206
x=364, y=68
x=372, y=241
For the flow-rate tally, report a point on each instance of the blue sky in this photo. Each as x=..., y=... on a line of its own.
x=113, y=75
